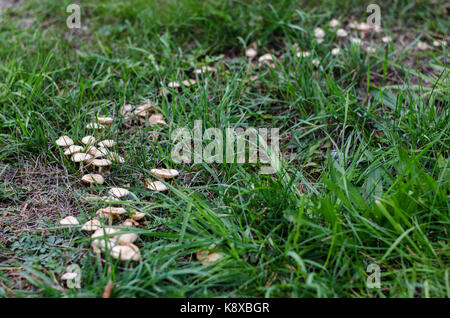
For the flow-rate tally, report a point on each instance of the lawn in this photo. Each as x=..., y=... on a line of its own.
x=361, y=185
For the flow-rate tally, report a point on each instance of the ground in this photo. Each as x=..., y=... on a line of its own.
x=364, y=141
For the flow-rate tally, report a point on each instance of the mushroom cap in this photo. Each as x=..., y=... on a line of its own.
x=126, y=110
x=251, y=52
x=174, y=85
x=188, y=82
x=101, y=162
x=356, y=41
x=129, y=252
x=143, y=110
x=335, y=51
x=386, y=39
x=94, y=126
x=104, y=120
x=341, y=33
x=91, y=225
x=137, y=215
x=103, y=237
x=93, y=178
x=118, y=192
x=64, y=141
x=334, y=23
x=107, y=143
x=69, y=220
x=80, y=157
x=204, y=69
x=95, y=152
x=303, y=54
x=266, y=58
x=319, y=33
x=126, y=238
x=156, y=186
x=363, y=26
x=69, y=276
x=206, y=257
x=157, y=119
x=165, y=173
x=88, y=140
x=111, y=211
x=72, y=150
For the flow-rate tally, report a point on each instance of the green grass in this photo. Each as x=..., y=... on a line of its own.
x=309, y=231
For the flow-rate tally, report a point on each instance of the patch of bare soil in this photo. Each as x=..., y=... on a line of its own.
x=31, y=190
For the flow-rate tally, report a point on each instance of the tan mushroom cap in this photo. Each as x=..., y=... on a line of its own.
x=91, y=225
x=88, y=140
x=80, y=157
x=127, y=238
x=69, y=220
x=107, y=143
x=103, y=237
x=64, y=141
x=92, y=178
x=104, y=120
x=174, y=85
x=126, y=110
x=156, y=186
x=266, y=58
x=341, y=33
x=157, y=119
x=319, y=33
x=137, y=215
x=94, y=126
x=165, y=173
x=101, y=162
x=129, y=252
x=143, y=110
x=115, y=211
x=334, y=23
x=118, y=192
x=363, y=26
x=188, y=82
x=95, y=152
x=206, y=257
x=72, y=150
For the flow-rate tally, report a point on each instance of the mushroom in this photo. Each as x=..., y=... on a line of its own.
x=143, y=109
x=206, y=257
x=266, y=58
x=174, y=85
x=64, y=141
x=127, y=238
x=102, y=238
x=335, y=51
x=69, y=220
x=100, y=163
x=363, y=26
x=126, y=110
x=316, y=62
x=157, y=119
x=334, y=23
x=81, y=157
x=104, y=120
x=118, y=192
x=126, y=252
x=91, y=225
x=319, y=33
x=137, y=215
x=156, y=186
x=386, y=39
x=107, y=143
x=111, y=212
x=88, y=140
x=72, y=150
x=341, y=33
x=355, y=41
x=422, y=45
x=188, y=82
x=303, y=54
x=204, y=69
x=92, y=178
x=69, y=276
x=165, y=173
x=95, y=152
x=94, y=126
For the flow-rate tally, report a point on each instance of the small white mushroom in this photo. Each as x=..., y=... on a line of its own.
x=188, y=82
x=341, y=33
x=94, y=126
x=143, y=110
x=118, y=192
x=386, y=39
x=64, y=141
x=91, y=225
x=335, y=51
x=103, y=238
x=174, y=85
x=204, y=69
x=88, y=140
x=422, y=45
x=157, y=119
x=72, y=150
x=363, y=26
x=137, y=215
x=316, y=62
x=206, y=257
x=80, y=157
x=156, y=186
x=69, y=220
x=107, y=143
x=319, y=33
x=69, y=276
x=126, y=238
x=251, y=53
x=303, y=54
x=165, y=173
x=334, y=23
x=126, y=110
